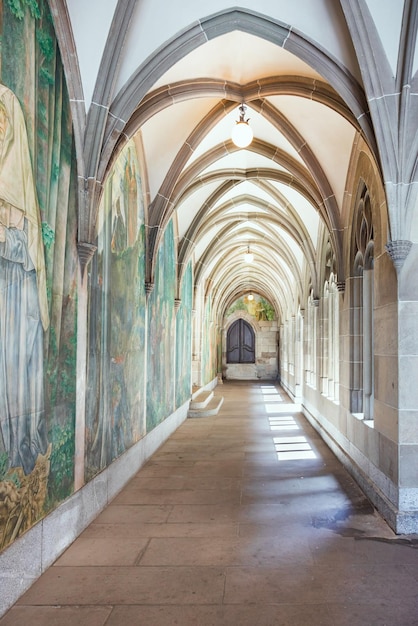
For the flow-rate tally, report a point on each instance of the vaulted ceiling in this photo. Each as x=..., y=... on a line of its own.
x=174, y=74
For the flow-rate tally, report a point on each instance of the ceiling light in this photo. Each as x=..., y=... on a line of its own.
x=248, y=256
x=250, y=296
x=242, y=134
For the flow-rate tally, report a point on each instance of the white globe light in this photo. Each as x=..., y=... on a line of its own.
x=242, y=134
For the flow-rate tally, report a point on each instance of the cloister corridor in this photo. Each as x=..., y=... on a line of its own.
x=208, y=313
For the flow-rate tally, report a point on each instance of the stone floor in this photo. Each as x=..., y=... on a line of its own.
x=227, y=525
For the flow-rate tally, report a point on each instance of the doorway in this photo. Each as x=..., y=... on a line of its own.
x=240, y=343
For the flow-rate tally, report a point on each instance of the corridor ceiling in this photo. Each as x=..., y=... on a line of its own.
x=173, y=74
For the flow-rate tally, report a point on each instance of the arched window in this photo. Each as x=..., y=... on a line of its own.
x=330, y=329
x=334, y=337
x=240, y=343
x=362, y=312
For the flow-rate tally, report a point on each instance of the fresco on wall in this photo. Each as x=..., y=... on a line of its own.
x=38, y=271
x=184, y=339
x=209, y=347
x=259, y=308
x=116, y=349
x=161, y=326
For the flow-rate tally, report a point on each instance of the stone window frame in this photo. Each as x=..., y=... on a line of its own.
x=362, y=311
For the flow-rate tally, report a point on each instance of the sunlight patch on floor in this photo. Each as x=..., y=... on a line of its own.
x=283, y=423
x=287, y=448
x=293, y=448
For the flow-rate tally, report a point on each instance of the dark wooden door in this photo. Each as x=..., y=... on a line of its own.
x=240, y=343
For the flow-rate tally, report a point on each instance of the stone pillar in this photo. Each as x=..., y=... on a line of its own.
x=315, y=344
x=299, y=357
x=406, y=379
x=323, y=340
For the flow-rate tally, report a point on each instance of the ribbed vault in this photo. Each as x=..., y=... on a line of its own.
x=279, y=196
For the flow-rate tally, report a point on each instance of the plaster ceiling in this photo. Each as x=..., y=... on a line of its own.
x=177, y=75
x=230, y=198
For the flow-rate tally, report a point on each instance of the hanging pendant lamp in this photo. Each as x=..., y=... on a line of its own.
x=242, y=134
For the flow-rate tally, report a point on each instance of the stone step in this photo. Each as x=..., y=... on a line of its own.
x=210, y=409
x=201, y=399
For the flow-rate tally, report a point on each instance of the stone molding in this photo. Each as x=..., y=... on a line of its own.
x=85, y=254
x=398, y=250
x=149, y=287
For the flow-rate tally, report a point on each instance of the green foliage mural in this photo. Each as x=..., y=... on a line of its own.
x=116, y=350
x=161, y=325
x=184, y=339
x=38, y=271
x=258, y=307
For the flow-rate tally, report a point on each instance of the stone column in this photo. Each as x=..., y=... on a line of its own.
x=299, y=357
x=406, y=379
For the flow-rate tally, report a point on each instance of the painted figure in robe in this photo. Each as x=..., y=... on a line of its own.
x=23, y=299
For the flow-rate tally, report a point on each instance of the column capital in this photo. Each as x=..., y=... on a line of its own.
x=85, y=254
x=149, y=288
x=398, y=250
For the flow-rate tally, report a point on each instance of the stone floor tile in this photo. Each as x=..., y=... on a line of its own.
x=365, y=583
x=383, y=613
x=293, y=530
x=99, y=551
x=134, y=531
x=269, y=489
x=187, y=481
x=260, y=615
x=126, y=585
x=226, y=551
x=218, y=513
x=225, y=455
x=57, y=616
x=177, y=496
x=154, y=482
x=279, y=585
x=131, y=514
x=214, y=468
x=281, y=512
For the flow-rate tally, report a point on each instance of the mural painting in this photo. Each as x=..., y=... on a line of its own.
x=184, y=339
x=116, y=347
x=38, y=271
x=161, y=334
x=257, y=307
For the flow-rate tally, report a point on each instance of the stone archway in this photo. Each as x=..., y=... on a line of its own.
x=265, y=366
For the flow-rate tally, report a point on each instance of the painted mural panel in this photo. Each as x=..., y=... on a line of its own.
x=257, y=306
x=116, y=344
x=161, y=331
x=38, y=271
x=184, y=339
